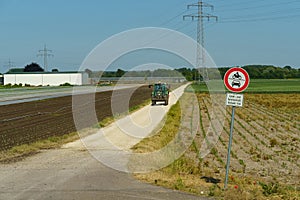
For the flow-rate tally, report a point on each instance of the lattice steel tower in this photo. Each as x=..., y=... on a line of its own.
x=9, y=64
x=45, y=53
x=200, y=16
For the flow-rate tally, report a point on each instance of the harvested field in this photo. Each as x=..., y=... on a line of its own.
x=265, y=156
x=266, y=138
x=25, y=123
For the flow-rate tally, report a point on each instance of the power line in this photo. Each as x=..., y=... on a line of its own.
x=44, y=53
x=173, y=18
x=259, y=6
x=269, y=15
x=265, y=14
x=200, y=16
x=261, y=19
x=239, y=3
x=9, y=64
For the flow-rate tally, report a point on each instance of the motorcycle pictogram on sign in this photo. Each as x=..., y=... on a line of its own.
x=236, y=79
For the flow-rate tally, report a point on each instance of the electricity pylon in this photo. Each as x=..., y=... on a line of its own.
x=45, y=53
x=9, y=64
x=200, y=16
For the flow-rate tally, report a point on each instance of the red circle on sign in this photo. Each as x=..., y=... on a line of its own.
x=227, y=78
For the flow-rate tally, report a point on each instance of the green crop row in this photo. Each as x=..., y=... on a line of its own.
x=255, y=86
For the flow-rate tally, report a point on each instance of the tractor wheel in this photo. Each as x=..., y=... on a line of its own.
x=166, y=102
x=153, y=103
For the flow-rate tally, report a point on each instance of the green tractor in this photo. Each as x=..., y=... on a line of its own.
x=160, y=93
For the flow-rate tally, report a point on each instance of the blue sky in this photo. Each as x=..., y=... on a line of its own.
x=248, y=32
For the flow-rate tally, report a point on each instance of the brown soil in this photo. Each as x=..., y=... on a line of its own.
x=266, y=139
x=29, y=122
x=264, y=155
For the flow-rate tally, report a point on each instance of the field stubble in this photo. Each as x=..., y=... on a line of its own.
x=265, y=151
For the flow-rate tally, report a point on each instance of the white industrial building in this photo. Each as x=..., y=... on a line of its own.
x=48, y=78
x=1, y=79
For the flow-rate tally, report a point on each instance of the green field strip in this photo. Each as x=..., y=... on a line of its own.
x=258, y=86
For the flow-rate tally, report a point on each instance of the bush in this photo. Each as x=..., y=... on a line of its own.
x=65, y=84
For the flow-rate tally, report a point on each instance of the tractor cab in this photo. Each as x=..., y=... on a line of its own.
x=160, y=93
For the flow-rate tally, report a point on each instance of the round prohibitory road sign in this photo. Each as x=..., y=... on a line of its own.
x=236, y=79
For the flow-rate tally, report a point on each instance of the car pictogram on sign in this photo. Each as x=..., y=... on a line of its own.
x=236, y=83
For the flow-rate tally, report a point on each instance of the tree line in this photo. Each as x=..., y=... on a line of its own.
x=33, y=67
x=254, y=71
x=271, y=72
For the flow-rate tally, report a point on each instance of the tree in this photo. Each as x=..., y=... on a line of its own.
x=120, y=73
x=33, y=67
x=187, y=73
x=288, y=67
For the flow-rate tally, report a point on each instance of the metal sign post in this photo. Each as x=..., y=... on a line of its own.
x=229, y=147
x=236, y=80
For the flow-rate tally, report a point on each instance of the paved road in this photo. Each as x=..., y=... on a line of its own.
x=72, y=173
x=21, y=95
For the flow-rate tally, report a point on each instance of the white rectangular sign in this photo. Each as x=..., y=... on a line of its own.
x=234, y=99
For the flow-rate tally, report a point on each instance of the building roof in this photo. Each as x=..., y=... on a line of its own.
x=15, y=70
x=18, y=71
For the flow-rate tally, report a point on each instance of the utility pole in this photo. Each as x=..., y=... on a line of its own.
x=200, y=16
x=45, y=53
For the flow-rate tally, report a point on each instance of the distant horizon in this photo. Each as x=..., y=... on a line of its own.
x=179, y=67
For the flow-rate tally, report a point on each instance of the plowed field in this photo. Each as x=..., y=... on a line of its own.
x=28, y=122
